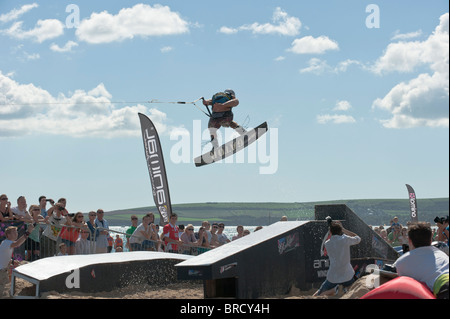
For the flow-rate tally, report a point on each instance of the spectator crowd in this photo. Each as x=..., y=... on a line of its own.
x=43, y=231
x=396, y=234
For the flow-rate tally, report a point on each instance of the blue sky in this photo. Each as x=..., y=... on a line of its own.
x=356, y=98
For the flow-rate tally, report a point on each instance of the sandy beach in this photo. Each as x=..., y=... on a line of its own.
x=184, y=290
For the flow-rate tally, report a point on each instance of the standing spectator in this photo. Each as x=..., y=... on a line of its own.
x=188, y=236
x=442, y=229
x=189, y=239
x=144, y=236
x=160, y=245
x=62, y=250
x=223, y=239
x=102, y=240
x=338, y=249
x=32, y=244
x=70, y=234
x=446, y=234
x=5, y=209
x=20, y=211
x=43, y=205
x=7, y=246
x=61, y=202
x=383, y=234
x=130, y=231
x=110, y=243
x=394, y=236
x=82, y=245
x=240, y=232
x=214, y=242
x=203, y=242
x=93, y=231
x=206, y=225
x=424, y=262
x=49, y=237
x=180, y=230
x=118, y=242
x=170, y=234
x=394, y=222
x=404, y=236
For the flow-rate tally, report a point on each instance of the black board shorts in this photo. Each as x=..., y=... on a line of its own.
x=218, y=120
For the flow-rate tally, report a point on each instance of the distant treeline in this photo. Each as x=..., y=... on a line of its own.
x=372, y=211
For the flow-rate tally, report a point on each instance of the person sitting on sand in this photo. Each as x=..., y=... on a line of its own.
x=424, y=262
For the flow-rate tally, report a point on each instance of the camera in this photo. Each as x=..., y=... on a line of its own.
x=60, y=208
x=329, y=220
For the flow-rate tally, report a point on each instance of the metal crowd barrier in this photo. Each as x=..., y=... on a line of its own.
x=49, y=247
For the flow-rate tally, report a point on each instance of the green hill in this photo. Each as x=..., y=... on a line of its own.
x=372, y=211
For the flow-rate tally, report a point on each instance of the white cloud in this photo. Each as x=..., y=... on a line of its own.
x=27, y=109
x=405, y=56
x=16, y=13
x=166, y=49
x=316, y=66
x=335, y=119
x=44, y=30
x=342, y=106
x=228, y=30
x=140, y=20
x=344, y=65
x=32, y=56
x=311, y=45
x=423, y=100
x=282, y=24
x=66, y=48
x=406, y=36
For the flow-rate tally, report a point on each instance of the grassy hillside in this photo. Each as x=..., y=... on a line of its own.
x=372, y=211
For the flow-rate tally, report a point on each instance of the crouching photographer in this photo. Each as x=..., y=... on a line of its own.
x=338, y=249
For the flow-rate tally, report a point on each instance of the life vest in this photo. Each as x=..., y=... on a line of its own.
x=220, y=97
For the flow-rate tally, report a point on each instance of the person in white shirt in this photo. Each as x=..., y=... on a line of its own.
x=424, y=262
x=7, y=245
x=20, y=211
x=338, y=249
x=82, y=245
x=102, y=238
x=223, y=239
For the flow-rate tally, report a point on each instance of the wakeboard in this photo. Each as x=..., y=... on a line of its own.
x=231, y=147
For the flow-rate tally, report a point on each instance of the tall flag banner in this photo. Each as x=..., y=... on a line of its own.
x=156, y=168
x=412, y=203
